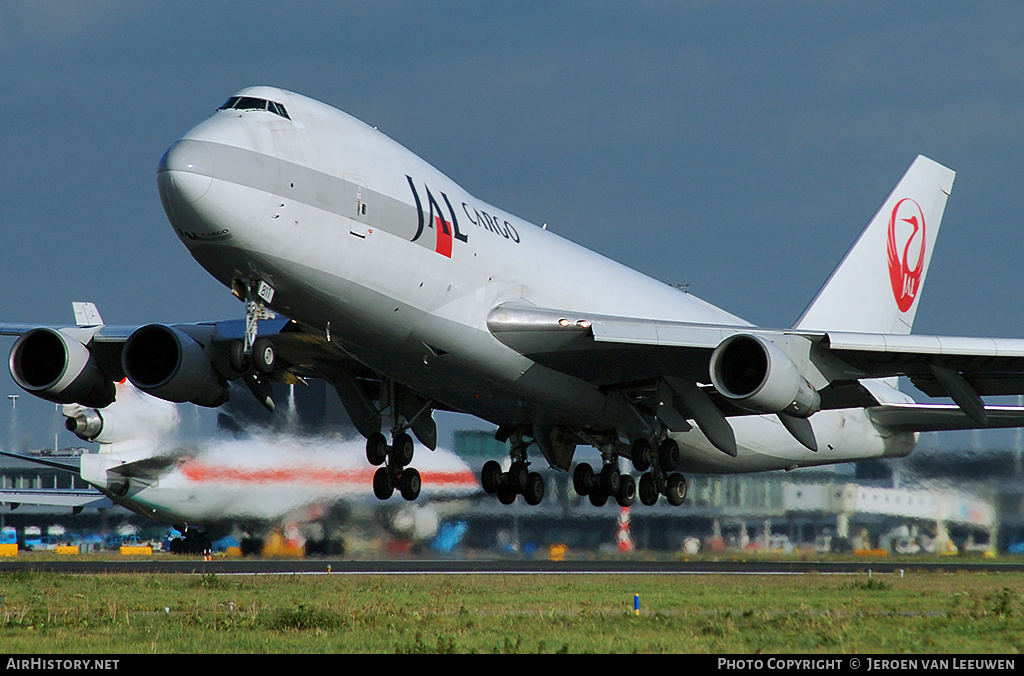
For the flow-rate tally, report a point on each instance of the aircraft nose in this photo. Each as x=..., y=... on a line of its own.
x=185, y=172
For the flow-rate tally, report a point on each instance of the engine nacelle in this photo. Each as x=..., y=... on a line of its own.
x=757, y=374
x=166, y=363
x=85, y=423
x=56, y=367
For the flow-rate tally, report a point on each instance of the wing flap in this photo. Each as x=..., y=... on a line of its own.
x=940, y=418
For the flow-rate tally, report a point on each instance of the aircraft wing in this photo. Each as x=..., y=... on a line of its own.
x=178, y=362
x=77, y=498
x=621, y=352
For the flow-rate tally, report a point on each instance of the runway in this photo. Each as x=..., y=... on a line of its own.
x=326, y=566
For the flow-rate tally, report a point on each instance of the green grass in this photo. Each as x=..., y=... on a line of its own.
x=156, y=613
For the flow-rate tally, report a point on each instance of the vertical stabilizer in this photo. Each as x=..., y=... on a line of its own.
x=877, y=286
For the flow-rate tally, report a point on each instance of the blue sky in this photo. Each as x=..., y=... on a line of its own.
x=737, y=147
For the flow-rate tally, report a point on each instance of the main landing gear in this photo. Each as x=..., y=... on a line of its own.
x=518, y=480
x=609, y=483
x=660, y=479
x=392, y=463
x=656, y=479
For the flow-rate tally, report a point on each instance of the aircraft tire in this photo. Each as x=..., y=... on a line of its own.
x=534, y=492
x=377, y=449
x=598, y=498
x=669, y=454
x=402, y=450
x=382, y=486
x=237, y=357
x=518, y=475
x=506, y=495
x=409, y=484
x=627, y=492
x=640, y=454
x=675, y=489
x=647, y=490
x=582, y=478
x=611, y=479
x=490, y=477
x=264, y=355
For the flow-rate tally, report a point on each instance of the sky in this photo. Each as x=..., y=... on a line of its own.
x=735, y=147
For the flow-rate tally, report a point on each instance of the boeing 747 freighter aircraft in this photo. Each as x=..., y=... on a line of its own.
x=410, y=295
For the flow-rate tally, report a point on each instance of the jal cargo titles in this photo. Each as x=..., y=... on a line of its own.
x=447, y=230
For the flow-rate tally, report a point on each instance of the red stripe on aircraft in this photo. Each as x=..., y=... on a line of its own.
x=200, y=472
x=444, y=237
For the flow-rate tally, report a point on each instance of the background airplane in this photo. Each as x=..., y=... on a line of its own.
x=409, y=294
x=264, y=481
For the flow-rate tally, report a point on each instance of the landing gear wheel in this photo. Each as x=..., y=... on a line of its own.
x=409, y=484
x=377, y=449
x=264, y=356
x=598, y=498
x=402, y=450
x=518, y=475
x=582, y=478
x=669, y=454
x=506, y=495
x=675, y=489
x=627, y=492
x=640, y=453
x=237, y=357
x=648, y=489
x=611, y=479
x=382, y=486
x=534, y=492
x=490, y=477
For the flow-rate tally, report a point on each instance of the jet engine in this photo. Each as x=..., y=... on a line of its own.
x=757, y=374
x=57, y=367
x=133, y=416
x=166, y=363
x=86, y=423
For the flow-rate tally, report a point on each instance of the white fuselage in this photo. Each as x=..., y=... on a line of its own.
x=260, y=480
x=364, y=240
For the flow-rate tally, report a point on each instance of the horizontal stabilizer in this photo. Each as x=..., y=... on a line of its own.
x=46, y=462
x=51, y=497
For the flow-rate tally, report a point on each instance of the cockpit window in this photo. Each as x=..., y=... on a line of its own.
x=253, y=103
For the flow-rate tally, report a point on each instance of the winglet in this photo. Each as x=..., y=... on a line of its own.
x=876, y=287
x=86, y=314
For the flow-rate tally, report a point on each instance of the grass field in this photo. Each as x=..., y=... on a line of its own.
x=154, y=613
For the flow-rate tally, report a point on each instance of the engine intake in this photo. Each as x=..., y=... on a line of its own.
x=166, y=363
x=58, y=368
x=757, y=374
